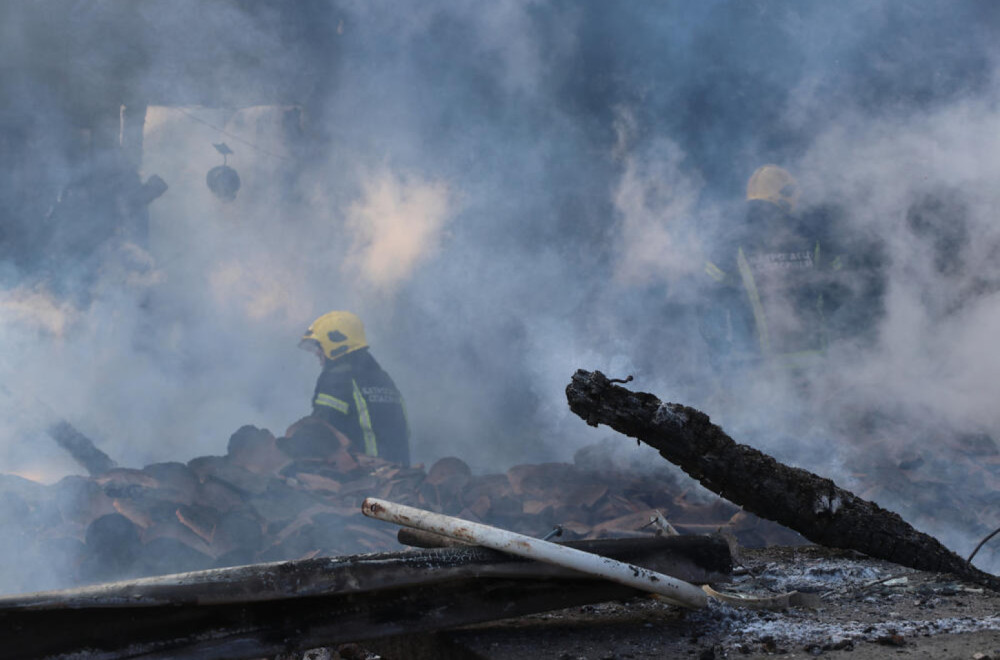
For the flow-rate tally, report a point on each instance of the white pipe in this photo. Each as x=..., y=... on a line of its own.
x=671, y=589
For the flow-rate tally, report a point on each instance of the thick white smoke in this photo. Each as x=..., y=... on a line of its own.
x=394, y=227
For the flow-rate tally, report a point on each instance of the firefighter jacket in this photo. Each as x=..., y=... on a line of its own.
x=358, y=397
x=771, y=290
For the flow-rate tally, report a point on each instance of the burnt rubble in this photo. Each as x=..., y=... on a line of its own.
x=299, y=496
x=283, y=559
x=267, y=609
x=867, y=608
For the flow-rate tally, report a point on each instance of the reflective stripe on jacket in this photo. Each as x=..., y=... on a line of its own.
x=357, y=397
x=769, y=304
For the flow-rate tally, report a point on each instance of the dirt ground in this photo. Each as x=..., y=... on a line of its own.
x=850, y=607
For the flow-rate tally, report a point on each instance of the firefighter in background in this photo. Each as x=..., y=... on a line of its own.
x=772, y=282
x=353, y=393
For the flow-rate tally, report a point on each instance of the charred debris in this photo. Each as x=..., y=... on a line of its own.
x=814, y=506
x=273, y=548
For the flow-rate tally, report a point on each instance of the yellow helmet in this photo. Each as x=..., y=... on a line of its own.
x=334, y=335
x=771, y=183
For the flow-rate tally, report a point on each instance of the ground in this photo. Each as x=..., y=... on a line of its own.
x=855, y=608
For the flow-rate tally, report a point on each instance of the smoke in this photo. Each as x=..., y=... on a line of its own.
x=395, y=226
x=920, y=180
x=37, y=310
x=504, y=193
x=656, y=200
x=924, y=184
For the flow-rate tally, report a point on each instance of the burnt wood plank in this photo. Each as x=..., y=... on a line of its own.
x=252, y=611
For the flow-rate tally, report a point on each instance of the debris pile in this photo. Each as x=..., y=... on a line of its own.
x=267, y=609
x=299, y=496
x=953, y=484
x=303, y=497
x=868, y=608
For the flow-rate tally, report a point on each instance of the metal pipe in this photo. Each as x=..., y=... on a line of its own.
x=671, y=589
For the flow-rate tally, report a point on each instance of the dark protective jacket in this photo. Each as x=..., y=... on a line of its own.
x=780, y=289
x=358, y=397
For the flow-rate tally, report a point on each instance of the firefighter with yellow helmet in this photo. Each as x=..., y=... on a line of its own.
x=353, y=393
x=771, y=280
x=775, y=186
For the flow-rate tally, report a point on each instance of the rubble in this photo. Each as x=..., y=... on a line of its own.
x=261, y=503
x=273, y=530
x=265, y=609
x=865, y=610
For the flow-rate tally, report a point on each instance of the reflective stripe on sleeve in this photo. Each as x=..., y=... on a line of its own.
x=714, y=271
x=371, y=448
x=332, y=402
x=760, y=319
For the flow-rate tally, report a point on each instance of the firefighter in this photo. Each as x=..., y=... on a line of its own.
x=770, y=281
x=353, y=393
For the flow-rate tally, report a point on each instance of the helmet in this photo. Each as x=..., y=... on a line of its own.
x=771, y=183
x=334, y=335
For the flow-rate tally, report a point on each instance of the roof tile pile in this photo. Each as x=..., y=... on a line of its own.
x=299, y=496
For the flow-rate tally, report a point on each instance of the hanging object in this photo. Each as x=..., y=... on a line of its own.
x=223, y=180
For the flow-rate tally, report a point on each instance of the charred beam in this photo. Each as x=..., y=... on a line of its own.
x=276, y=627
x=811, y=505
x=265, y=609
x=81, y=448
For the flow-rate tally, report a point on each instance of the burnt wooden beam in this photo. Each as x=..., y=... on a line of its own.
x=81, y=448
x=270, y=628
x=812, y=505
x=266, y=609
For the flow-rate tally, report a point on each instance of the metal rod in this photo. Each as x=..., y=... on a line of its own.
x=674, y=591
x=556, y=531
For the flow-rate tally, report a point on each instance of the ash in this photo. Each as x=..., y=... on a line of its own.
x=857, y=600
